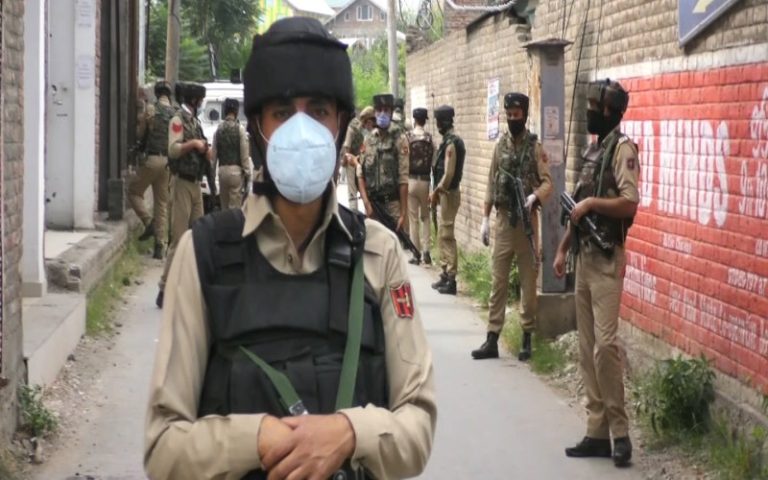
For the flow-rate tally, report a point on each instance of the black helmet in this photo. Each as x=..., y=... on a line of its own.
x=400, y=103
x=383, y=100
x=231, y=105
x=162, y=89
x=444, y=113
x=608, y=93
x=297, y=56
x=420, y=114
x=178, y=92
x=516, y=99
x=192, y=91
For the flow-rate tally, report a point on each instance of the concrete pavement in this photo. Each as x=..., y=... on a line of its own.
x=496, y=419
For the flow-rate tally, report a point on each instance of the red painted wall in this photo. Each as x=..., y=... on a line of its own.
x=697, y=267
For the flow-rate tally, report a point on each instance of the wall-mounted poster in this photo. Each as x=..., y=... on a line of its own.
x=493, y=109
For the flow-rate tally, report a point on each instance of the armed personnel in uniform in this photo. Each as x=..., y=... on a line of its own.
x=189, y=159
x=447, y=173
x=383, y=173
x=290, y=343
x=153, y=169
x=422, y=150
x=358, y=129
x=398, y=115
x=517, y=155
x=232, y=152
x=607, y=193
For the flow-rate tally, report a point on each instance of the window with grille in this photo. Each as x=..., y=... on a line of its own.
x=364, y=13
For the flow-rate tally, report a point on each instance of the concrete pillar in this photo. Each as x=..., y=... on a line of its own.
x=32, y=261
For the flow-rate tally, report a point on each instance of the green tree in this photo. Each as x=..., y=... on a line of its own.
x=370, y=70
x=215, y=36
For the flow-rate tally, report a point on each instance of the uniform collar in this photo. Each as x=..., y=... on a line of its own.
x=258, y=208
x=611, y=134
x=164, y=101
x=418, y=129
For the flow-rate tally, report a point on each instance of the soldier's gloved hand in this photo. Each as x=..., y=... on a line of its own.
x=485, y=232
x=530, y=201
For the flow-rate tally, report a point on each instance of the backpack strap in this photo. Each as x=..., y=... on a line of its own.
x=341, y=255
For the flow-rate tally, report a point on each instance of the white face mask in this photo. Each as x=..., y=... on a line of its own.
x=301, y=156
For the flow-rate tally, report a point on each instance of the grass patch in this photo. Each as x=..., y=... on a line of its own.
x=548, y=357
x=673, y=402
x=36, y=419
x=476, y=273
x=102, y=300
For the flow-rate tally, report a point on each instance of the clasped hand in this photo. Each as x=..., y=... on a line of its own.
x=308, y=447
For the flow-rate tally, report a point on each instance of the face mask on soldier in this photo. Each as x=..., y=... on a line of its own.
x=301, y=157
x=383, y=119
x=601, y=125
x=516, y=126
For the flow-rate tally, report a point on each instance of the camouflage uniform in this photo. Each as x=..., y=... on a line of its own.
x=384, y=168
x=524, y=158
x=153, y=171
x=230, y=144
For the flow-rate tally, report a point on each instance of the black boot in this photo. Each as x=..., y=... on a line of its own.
x=525, y=351
x=441, y=282
x=426, y=258
x=590, y=447
x=159, y=299
x=449, y=287
x=159, y=250
x=489, y=349
x=414, y=261
x=622, y=451
x=149, y=231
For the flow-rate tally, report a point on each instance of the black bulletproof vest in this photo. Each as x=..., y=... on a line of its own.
x=439, y=169
x=296, y=323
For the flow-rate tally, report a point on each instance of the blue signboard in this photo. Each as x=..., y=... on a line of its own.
x=693, y=16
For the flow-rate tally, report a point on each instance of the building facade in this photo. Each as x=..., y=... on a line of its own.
x=697, y=266
x=360, y=21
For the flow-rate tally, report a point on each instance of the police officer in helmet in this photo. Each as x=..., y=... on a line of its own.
x=607, y=192
x=291, y=345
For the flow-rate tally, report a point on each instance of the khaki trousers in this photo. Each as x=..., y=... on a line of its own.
x=352, y=187
x=230, y=186
x=599, y=282
x=186, y=207
x=511, y=242
x=418, y=213
x=153, y=173
x=449, y=255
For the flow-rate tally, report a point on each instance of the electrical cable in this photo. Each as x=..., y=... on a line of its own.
x=576, y=80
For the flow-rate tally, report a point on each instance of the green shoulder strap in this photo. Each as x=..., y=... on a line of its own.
x=344, y=396
x=354, y=338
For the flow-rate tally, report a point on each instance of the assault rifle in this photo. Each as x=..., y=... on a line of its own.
x=586, y=224
x=523, y=214
x=383, y=217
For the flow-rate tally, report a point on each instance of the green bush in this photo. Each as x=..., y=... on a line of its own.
x=475, y=271
x=675, y=397
x=736, y=454
x=36, y=419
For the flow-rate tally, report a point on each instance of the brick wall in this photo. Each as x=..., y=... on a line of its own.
x=353, y=27
x=697, y=274
x=13, y=170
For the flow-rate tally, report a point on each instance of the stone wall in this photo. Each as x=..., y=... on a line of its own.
x=697, y=273
x=13, y=171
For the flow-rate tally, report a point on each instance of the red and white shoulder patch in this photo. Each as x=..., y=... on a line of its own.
x=402, y=300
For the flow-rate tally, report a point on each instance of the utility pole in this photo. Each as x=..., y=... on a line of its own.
x=392, y=46
x=172, y=42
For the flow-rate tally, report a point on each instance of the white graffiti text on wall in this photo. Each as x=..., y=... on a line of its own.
x=754, y=174
x=637, y=281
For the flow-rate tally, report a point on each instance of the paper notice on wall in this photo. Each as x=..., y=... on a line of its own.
x=85, y=13
x=551, y=122
x=554, y=151
x=419, y=97
x=492, y=120
x=84, y=71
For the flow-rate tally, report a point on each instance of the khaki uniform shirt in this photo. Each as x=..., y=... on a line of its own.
x=401, y=150
x=543, y=191
x=245, y=152
x=392, y=443
x=626, y=169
